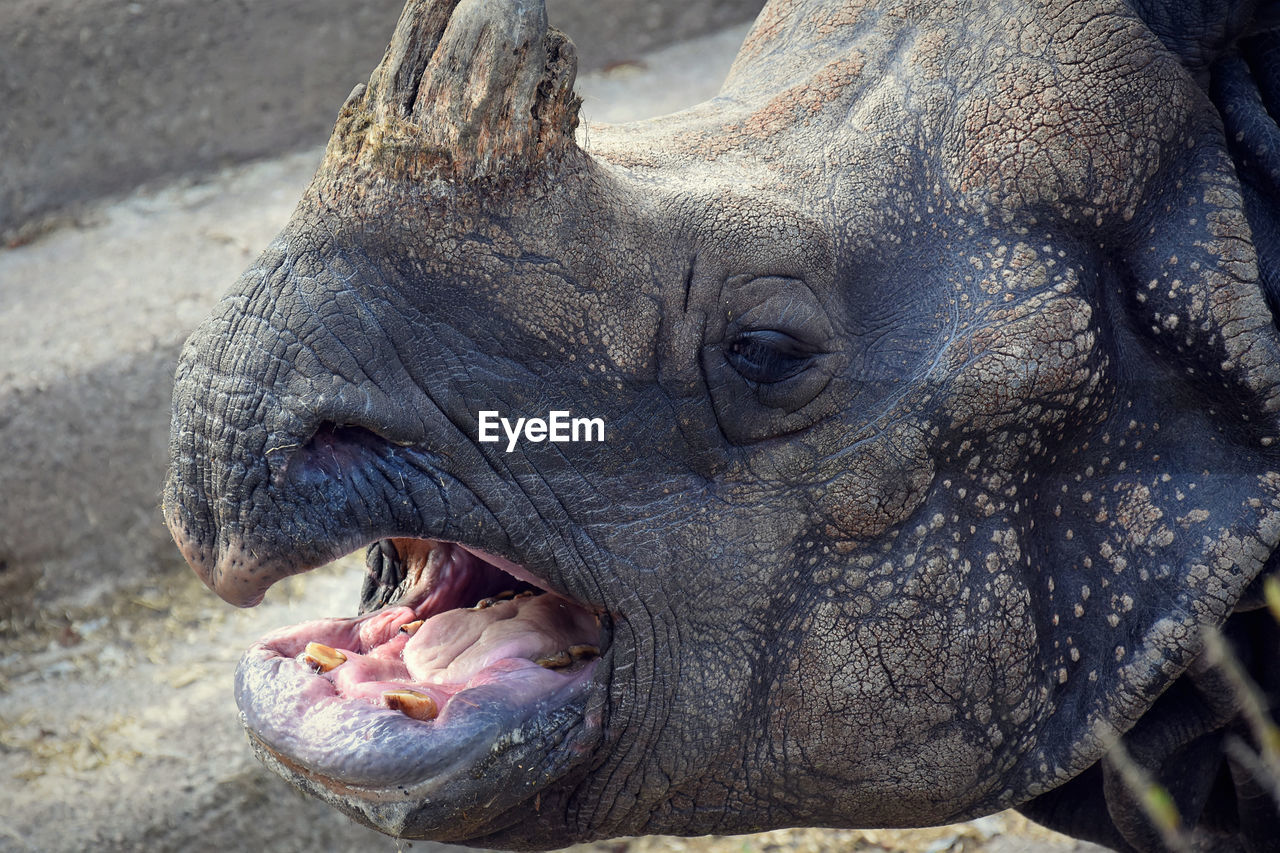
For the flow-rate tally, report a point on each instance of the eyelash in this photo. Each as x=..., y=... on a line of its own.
x=767, y=356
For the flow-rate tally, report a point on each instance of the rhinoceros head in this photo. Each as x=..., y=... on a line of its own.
x=924, y=391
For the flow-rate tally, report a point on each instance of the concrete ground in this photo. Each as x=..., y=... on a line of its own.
x=117, y=727
x=101, y=95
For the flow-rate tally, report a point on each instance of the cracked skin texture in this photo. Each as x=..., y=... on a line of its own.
x=934, y=574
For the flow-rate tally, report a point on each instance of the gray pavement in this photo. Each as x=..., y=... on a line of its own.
x=101, y=95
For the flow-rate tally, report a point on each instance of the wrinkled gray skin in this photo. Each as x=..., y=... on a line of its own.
x=917, y=559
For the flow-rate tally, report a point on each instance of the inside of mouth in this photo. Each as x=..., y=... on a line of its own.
x=460, y=627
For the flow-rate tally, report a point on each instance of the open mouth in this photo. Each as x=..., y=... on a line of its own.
x=466, y=660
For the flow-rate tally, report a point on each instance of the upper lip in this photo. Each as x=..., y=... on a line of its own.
x=341, y=490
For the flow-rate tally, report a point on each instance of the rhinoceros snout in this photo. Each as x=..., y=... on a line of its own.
x=270, y=440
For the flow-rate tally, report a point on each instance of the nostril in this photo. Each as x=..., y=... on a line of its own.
x=332, y=451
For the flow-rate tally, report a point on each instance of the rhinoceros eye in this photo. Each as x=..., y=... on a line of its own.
x=767, y=356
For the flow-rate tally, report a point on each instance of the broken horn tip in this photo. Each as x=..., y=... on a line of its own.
x=357, y=93
x=455, y=80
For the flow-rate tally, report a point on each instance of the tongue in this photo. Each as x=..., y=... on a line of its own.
x=460, y=649
x=377, y=657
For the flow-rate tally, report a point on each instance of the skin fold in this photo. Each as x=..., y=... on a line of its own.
x=940, y=377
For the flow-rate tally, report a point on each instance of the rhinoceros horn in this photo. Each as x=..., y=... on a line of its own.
x=466, y=90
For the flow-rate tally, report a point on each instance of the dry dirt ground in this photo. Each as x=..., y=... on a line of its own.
x=117, y=727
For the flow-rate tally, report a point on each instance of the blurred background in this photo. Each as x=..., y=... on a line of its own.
x=148, y=152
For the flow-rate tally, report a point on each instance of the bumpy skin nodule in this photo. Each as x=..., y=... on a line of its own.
x=930, y=575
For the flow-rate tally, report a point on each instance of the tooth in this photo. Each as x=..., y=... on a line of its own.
x=556, y=661
x=528, y=593
x=584, y=652
x=411, y=703
x=411, y=628
x=322, y=657
x=494, y=599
